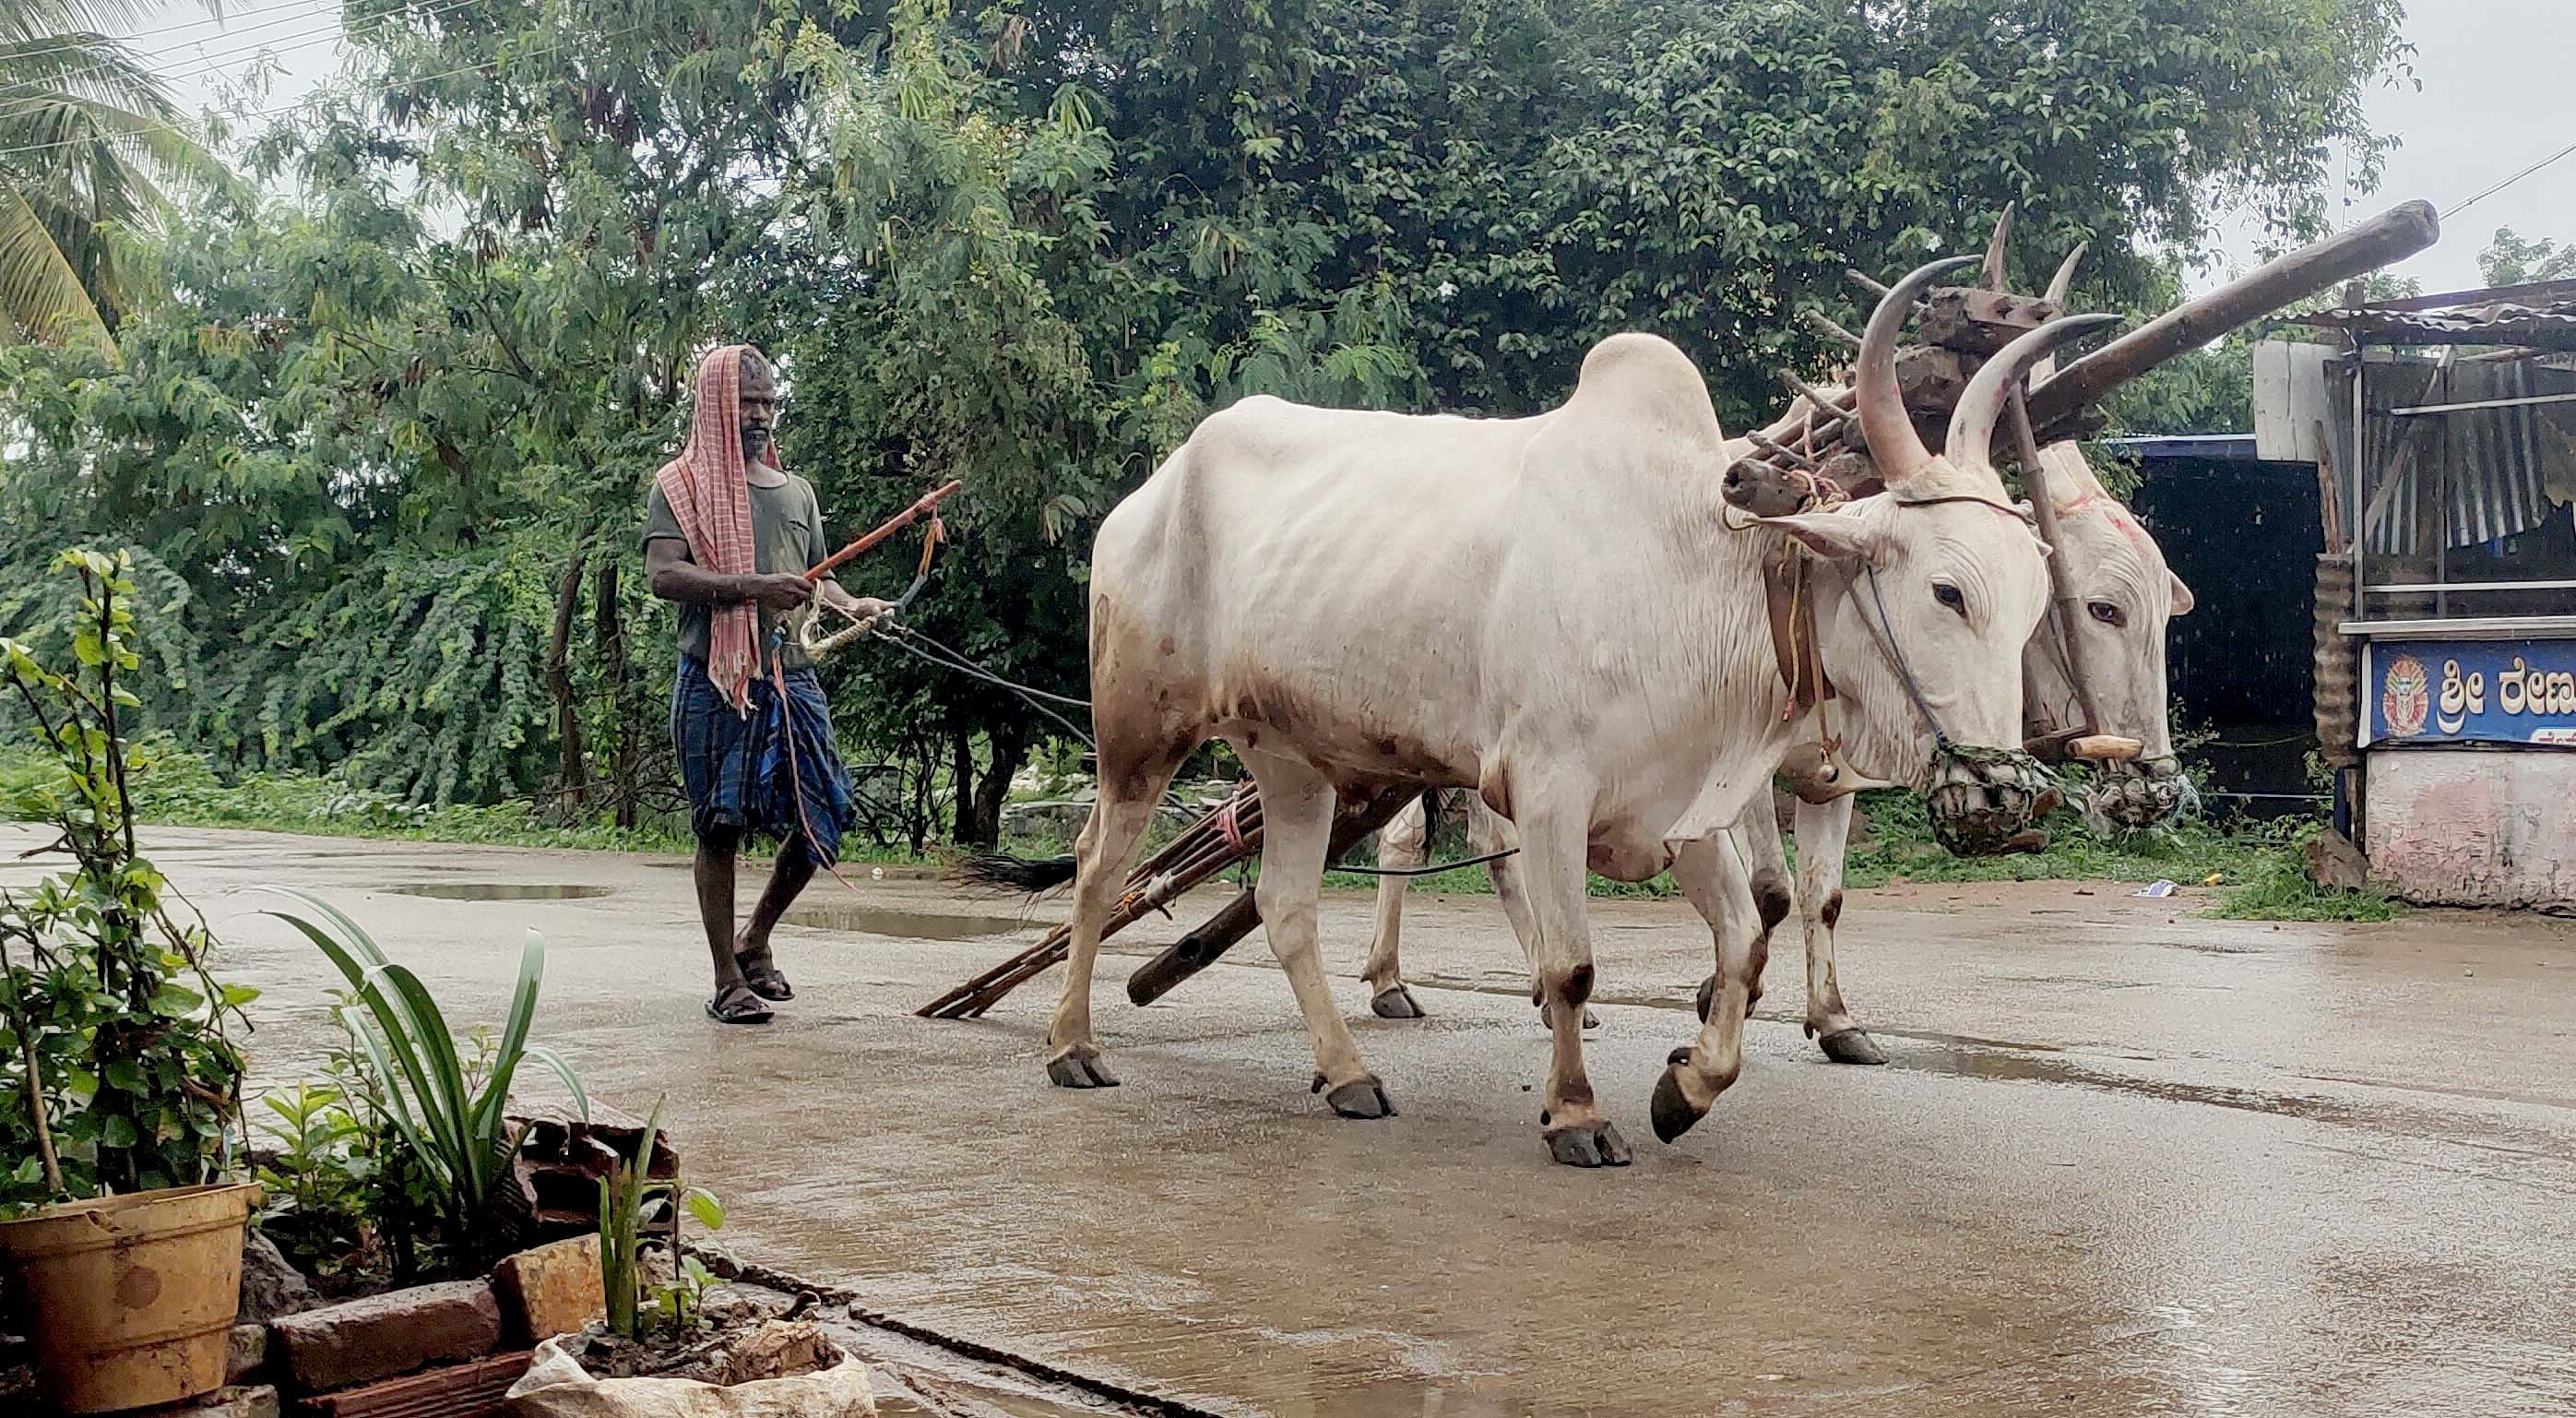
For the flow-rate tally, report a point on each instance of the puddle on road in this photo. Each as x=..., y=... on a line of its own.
x=498, y=891
x=911, y=925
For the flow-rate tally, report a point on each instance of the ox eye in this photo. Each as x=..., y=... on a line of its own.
x=2108, y=614
x=1948, y=595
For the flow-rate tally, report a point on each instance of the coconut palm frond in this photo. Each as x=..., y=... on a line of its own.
x=92, y=67
x=91, y=143
x=41, y=294
x=20, y=19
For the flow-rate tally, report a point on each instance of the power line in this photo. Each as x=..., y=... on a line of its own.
x=307, y=40
x=2453, y=211
x=83, y=43
x=307, y=101
x=331, y=34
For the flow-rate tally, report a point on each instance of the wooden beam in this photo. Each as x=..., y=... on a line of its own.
x=2393, y=235
x=1215, y=936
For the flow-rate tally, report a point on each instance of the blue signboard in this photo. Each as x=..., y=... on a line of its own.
x=2469, y=691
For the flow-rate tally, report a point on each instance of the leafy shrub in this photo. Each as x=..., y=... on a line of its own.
x=116, y=1070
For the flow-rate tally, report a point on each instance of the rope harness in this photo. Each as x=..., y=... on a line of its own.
x=932, y=536
x=2015, y=787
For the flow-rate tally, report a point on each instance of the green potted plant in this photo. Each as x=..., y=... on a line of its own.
x=119, y=1085
x=442, y=1104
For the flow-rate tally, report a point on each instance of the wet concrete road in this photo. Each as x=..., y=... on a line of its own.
x=2124, y=1161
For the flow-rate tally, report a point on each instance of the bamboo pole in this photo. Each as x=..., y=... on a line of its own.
x=927, y=502
x=1189, y=860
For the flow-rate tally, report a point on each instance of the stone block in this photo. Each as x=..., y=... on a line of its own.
x=2459, y=827
x=246, y=1353
x=778, y=1349
x=554, y=1289
x=270, y=1286
x=360, y=1341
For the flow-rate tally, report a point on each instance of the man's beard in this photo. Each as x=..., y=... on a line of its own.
x=755, y=443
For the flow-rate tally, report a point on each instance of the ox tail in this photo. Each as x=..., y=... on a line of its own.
x=1027, y=876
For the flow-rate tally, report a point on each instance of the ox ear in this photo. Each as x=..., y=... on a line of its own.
x=2182, y=601
x=1834, y=536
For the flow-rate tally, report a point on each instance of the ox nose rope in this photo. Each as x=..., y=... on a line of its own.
x=1883, y=634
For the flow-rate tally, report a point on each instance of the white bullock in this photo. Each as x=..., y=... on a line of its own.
x=1604, y=677
x=2126, y=597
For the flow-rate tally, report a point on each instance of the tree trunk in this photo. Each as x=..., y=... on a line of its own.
x=572, y=777
x=925, y=757
x=982, y=826
x=961, y=778
x=608, y=622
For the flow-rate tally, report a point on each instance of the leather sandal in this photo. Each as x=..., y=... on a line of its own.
x=738, y=1004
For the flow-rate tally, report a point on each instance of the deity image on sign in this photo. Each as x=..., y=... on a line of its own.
x=2405, y=694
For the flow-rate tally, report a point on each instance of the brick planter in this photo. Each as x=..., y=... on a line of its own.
x=361, y=1341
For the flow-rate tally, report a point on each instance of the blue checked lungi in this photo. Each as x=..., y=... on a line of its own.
x=736, y=767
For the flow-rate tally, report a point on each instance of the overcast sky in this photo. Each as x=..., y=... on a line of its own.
x=2496, y=78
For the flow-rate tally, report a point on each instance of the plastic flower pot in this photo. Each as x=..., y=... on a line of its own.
x=131, y=1297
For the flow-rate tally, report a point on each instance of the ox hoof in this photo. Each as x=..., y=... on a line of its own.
x=1395, y=1002
x=1851, y=1046
x=1362, y=1097
x=1547, y=1017
x=1707, y=997
x=1672, y=1113
x=1080, y=1069
x=1588, y=1145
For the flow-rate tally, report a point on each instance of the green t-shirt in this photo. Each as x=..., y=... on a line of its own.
x=786, y=537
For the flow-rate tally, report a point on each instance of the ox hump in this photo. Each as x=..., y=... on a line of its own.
x=1633, y=375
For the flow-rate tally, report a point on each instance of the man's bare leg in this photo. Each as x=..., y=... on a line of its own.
x=787, y=879
x=734, y=1003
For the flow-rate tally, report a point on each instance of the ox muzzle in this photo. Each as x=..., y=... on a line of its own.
x=1988, y=802
x=2138, y=795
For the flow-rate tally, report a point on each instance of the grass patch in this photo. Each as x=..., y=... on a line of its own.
x=2285, y=892
x=174, y=788
x=1900, y=848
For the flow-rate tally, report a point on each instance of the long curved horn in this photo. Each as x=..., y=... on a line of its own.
x=2065, y=277
x=1972, y=424
x=1884, y=426
x=2058, y=285
x=1992, y=276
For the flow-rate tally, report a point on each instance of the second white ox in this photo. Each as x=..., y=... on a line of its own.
x=1604, y=678
x=2117, y=576
x=2126, y=595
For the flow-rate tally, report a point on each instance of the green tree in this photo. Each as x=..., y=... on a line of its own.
x=393, y=435
x=2514, y=260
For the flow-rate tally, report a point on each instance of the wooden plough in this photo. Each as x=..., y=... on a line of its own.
x=1961, y=325
x=1229, y=834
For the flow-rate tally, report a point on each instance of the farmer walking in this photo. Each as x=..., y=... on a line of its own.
x=728, y=535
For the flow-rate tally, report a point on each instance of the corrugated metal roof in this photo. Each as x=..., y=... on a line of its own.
x=2551, y=327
